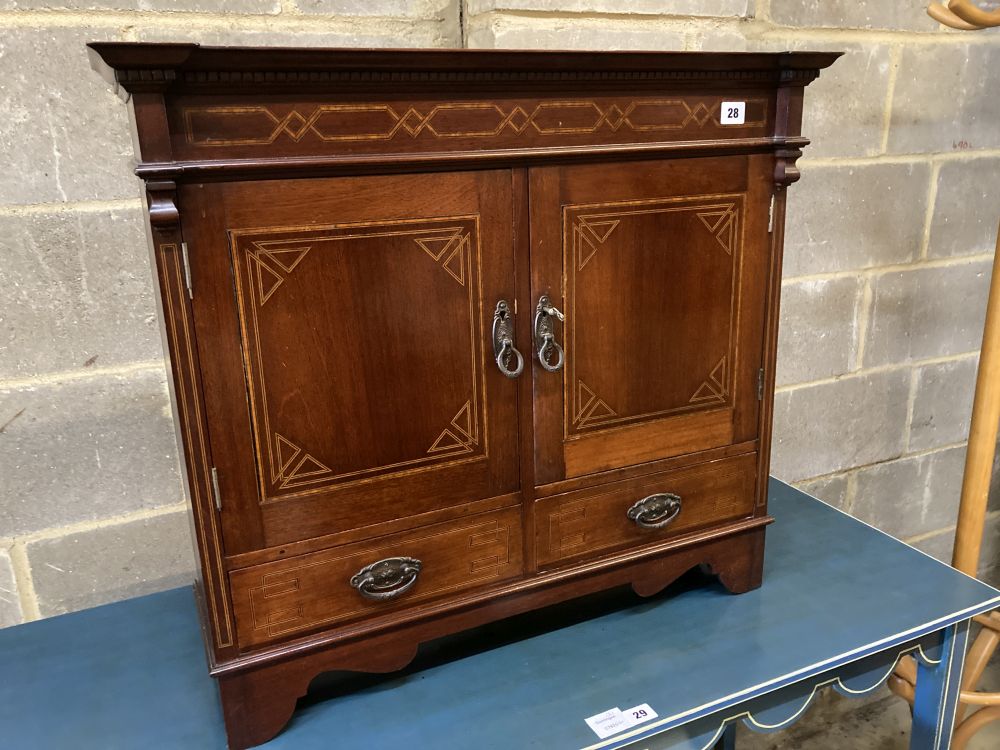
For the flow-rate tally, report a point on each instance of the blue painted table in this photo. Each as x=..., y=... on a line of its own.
x=840, y=602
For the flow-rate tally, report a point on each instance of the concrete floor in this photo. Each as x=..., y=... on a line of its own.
x=882, y=722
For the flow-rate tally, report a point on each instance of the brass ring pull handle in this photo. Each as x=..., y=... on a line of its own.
x=545, y=338
x=504, y=356
x=549, y=344
x=655, y=511
x=387, y=579
x=503, y=341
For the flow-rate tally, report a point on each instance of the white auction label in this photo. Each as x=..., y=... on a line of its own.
x=615, y=720
x=608, y=723
x=733, y=113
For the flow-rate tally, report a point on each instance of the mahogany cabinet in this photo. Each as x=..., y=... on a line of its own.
x=458, y=334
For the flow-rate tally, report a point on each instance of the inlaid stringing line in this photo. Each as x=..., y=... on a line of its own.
x=201, y=509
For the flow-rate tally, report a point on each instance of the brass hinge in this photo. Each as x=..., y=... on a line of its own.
x=215, y=490
x=770, y=215
x=760, y=384
x=187, y=270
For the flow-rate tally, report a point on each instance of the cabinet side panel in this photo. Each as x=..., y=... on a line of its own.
x=770, y=348
x=788, y=122
x=189, y=419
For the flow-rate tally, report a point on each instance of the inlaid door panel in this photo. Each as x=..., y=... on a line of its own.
x=364, y=380
x=659, y=269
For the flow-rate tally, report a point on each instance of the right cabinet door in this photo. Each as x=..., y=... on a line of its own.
x=660, y=271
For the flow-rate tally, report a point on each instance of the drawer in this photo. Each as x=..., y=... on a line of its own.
x=585, y=523
x=286, y=598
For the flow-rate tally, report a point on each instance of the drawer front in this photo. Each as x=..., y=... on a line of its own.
x=583, y=524
x=289, y=597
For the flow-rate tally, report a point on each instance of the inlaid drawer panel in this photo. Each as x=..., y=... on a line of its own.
x=288, y=597
x=585, y=523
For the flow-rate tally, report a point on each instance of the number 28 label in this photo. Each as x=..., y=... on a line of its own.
x=733, y=113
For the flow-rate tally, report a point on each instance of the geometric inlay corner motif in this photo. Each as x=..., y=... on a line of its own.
x=489, y=550
x=290, y=464
x=272, y=267
x=592, y=234
x=461, y=436
x=568, y=528
x=715, y=387
x=275, y=620
x=450, y=249
x=722, y=224
x=590, y=408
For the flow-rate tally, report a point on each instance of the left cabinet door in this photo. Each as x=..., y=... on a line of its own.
x=344, y=331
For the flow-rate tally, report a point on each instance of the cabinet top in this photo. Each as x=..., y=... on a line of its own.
x=251, y=113
x=157, y=67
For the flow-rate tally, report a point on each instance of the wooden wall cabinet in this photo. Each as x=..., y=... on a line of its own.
x=458, y=334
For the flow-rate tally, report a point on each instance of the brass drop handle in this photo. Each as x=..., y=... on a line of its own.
x=545, y=338
x=503, y=341
x=387, y=579
x=655, y=511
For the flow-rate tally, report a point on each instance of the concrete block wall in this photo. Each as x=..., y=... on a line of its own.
x=888, y=260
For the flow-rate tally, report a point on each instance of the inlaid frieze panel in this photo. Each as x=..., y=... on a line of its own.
x=333, y=318
x=665, y=343
x=327, y=127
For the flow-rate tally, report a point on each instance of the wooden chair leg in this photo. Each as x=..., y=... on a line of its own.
x=982, y=650
x=902, y=688
x=971, y=520
x=972, y=509
x=982, y=436
x=968, y=728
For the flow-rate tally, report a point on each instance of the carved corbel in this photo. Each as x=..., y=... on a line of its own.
x=785, y=171
x=162, y=204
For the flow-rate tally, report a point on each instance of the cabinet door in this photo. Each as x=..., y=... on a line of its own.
x=659, y=268
x=345, y=336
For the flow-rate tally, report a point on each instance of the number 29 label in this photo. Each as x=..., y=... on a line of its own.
x=733, y=113
x=615, y=720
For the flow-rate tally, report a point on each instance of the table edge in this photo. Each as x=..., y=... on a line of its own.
x=897, y=640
